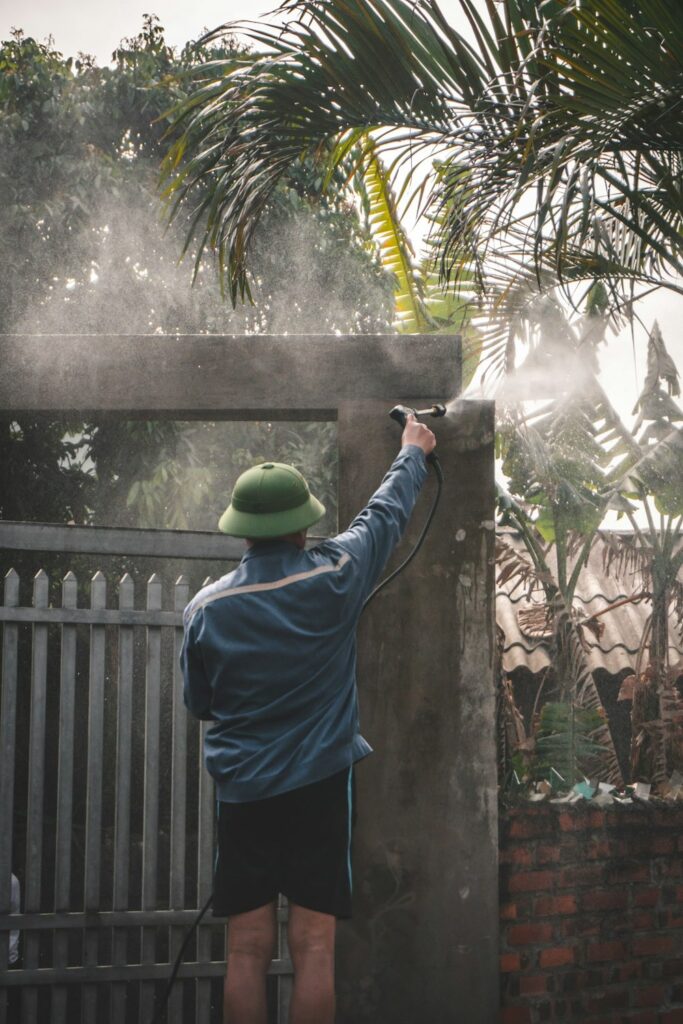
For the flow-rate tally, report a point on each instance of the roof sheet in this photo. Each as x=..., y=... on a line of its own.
x=623, y=626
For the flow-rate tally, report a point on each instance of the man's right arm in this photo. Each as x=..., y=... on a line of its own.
x=376, y=531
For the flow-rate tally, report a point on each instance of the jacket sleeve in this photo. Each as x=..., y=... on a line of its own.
x=375, y=532
x=196, y=687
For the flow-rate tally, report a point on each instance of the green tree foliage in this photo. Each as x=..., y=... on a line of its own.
x=85, y=250
x=564, y=114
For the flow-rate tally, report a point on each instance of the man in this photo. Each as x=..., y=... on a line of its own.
x=269, y=657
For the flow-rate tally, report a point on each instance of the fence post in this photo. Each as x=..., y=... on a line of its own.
x=178, y=798
x=36, y=790
x=93, y=814
x=8, y=716
x=205, y=855
x=150, y=827
x=124, y=720
x=65, y=771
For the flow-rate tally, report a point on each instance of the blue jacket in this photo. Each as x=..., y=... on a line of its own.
x=269, y=653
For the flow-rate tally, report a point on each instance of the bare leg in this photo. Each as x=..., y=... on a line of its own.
x=251, y=945
x=311, y=943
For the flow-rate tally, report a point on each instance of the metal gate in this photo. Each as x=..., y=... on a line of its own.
x=115, y=836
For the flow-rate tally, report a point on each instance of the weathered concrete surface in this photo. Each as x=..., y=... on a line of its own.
x=254, y=377
x=423, y=942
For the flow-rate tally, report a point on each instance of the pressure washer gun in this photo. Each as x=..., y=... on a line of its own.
x=400, y=413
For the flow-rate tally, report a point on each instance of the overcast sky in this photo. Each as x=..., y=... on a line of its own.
x=97, y=28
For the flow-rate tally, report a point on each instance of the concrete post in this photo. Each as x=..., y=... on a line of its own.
x=422, y=945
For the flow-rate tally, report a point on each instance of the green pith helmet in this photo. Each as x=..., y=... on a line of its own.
x=270, y=500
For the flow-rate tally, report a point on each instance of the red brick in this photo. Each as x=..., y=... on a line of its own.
x=604, y=900
x=667, y=818
x=614, y=999
x=598, y=850
x=635, y=871
x=673, y=968
x=627, y=972
x=570, y=927
x=648, y=897
x=671, y=1017
x=529, y=934
x=572, y=981
x=662, y=844
x=639, y=847
x=556, y=957
x=508, y=912
x=515, y=1015
x=581, y=874
x=606, y=951
x=569, y=822
x=546, y=906
x=529, y=827
x=578, y=820
x=548, y=854
x=509, y=962
x=652, y=945
x=521, y=855
x=671, y=867
x=533, y=984
x=651, y=995
x=670, y=919
x=571, y=851
x=531, y=881
x=643, y=920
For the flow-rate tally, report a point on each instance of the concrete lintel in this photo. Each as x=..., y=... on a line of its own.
x=229, y=377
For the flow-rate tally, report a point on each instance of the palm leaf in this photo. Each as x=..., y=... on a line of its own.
x=395, y=251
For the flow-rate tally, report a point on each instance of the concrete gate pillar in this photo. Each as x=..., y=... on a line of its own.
x=422, y=945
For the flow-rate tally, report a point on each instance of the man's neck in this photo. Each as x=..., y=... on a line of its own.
x=298, y=539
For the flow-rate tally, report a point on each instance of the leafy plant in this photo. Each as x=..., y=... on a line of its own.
x=563, y=740
x=569, y=463
x=557, y=131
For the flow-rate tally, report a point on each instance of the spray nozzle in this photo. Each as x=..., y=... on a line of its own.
x=400, y=413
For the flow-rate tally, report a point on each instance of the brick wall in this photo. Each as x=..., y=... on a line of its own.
x=592, y=914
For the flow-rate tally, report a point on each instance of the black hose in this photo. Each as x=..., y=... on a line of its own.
x=163, y=1004
x=433, y=461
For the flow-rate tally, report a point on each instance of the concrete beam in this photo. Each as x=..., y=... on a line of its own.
x=107, y=540
x=227, y=377
x=422, y=945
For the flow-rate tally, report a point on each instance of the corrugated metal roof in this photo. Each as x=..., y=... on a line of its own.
x=617, y=647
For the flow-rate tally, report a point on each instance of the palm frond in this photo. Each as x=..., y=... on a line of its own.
x=395, y=251
x=315, y=82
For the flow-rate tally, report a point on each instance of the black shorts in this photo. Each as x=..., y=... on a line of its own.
x=297, y=844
